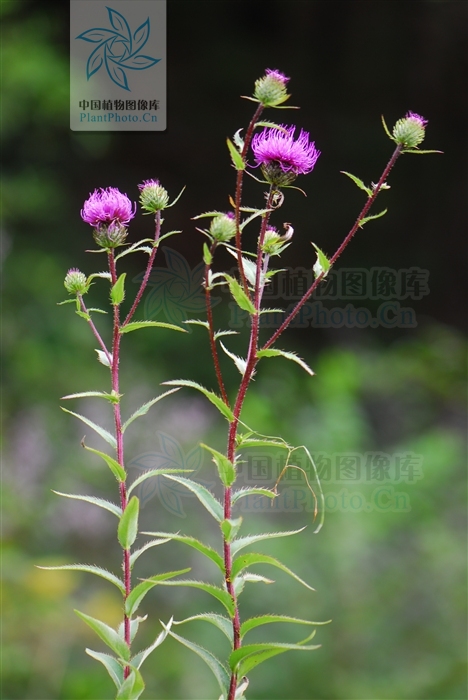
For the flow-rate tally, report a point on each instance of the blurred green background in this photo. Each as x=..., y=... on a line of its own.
x=393, y=581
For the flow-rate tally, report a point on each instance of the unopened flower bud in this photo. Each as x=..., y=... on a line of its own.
x=153, y=197
x=223, y=227
x=410, y=131
x=272, y=243
x=75, y=282
x=270, y=90
x=110, y=235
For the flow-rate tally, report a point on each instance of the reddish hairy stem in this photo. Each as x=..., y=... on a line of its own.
x=95, y=330
x=120, y=444
x=149, y=266
x=231, y=451
x=341, y=248
x=239, y=183
x=209, y=313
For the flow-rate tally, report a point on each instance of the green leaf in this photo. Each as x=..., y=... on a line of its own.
x=219, y=671
x=266, y=619
x=240, y=581
x=108, y=635
x=192, y=542
x=242, y=542
x=128, y=525
x=113, y=398
x=89, y=569
x=221, y=334
x=84, y=315
x=255, y=491
x=416, y=150
x=369, y=218
x=218, y=593
x=138, y=659
x=271, y=125
x=254, y=442
x=134, y=625
x=117, y=294
x=154, y=472
x=245, y=658
x=219, y=621
x=117, y=470
x=251, y=558
x=132, y=687
x=104, y=358
x=138, y=593
x=273, y=352
x=226, y=470
x=129, y=327
x=100, y=431
x=240, y=363
x=240, y=297
x=168, y=234
x=205, y=497
x=215, y=400
x=112, y=507
x=143, y=410
x=238, y=140
x=235, y=155
x=359, y=183
x=249, y=266
x=207, y=256
x=197, y=322
x=111, y=664
x=322, y=265
x=137, y=553
x=230, y=528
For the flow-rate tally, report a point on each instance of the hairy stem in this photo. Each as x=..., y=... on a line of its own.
x=157, y=232
x=231, y=449
x=209, y=313
x=239, y=183
x=95, y=330
x=370, y=201
x=120, y=443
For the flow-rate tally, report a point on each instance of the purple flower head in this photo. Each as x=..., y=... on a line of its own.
x=106, y=206
x=282, y=157
x=415, y=117
x=277, y=75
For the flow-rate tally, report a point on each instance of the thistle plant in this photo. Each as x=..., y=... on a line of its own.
x=275, y=156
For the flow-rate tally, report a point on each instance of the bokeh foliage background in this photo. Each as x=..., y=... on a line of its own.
x=393, y=582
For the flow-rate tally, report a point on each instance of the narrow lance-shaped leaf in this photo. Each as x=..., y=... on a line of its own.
x=107, y=505
x=251, y=558
x=108, y=635
x=154, y=472
x=136, y=325
x=359, y=183
x=373, y=216
x=226, y=470
x=254, y=491
x=273, y=352
x=322, y=265
x=112, y=397
x=118, y=290
x=132, y=687
x=143, y=410
x=215, y=400
x=117, y=470
x=240, y=297
x=137, y=553
x=89, y=569
x=111, y=664
x=207, y=256
x=138, y=659
x=100, y=431
x=219, y=621
x=235, y=155
x=219, y=671
x=230, y=528
x=218, y=593
x=267, y=619
x=139, y=592
x=240, y=363
x=242, y=542
x=246, y=658
x=206, y=498
x=128, y=525
x=192, y=542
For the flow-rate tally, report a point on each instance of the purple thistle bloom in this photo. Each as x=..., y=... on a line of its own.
x=277, y=75
x=278, y=152
x=107, y=206
x=148, y=183
x=415, y=117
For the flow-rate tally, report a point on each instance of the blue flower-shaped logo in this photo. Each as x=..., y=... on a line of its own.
x=118, y=49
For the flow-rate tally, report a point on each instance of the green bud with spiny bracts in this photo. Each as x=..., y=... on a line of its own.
x=270, y=90
x=110, y=235
x=410, y=131
x=223, y=227
x=75, y=282
x=153, y=196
